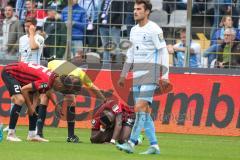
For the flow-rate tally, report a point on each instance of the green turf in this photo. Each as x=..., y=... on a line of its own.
x=173, y=147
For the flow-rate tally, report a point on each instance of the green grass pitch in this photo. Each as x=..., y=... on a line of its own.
x=173, y=147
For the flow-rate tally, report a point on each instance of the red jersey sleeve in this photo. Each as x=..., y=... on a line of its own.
x=41, y=86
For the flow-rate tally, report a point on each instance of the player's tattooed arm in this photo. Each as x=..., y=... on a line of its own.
x=117, y=127
x=25, y=92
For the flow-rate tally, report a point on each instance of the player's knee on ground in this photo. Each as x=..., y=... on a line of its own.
x=141, y=106
x=18, y=99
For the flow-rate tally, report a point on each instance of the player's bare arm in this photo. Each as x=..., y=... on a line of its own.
x=117, y=128
x=51, y=97
x=25, y=92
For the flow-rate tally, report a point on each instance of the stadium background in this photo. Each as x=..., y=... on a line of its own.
x=207, y=103
x=213, y=91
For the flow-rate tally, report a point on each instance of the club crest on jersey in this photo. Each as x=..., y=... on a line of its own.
x=115, y=108
x=43, y=85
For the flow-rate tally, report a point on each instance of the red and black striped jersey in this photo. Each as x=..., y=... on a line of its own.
x=41, y=77
x=115, y=108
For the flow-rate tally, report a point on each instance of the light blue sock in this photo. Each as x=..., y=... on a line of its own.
x=150, y=130
x=138, y=126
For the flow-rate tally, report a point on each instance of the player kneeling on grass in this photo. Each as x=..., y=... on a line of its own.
x=21, y=79
x=113, y=123
x=75, y=80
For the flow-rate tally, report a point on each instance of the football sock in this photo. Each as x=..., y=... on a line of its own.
x=42, y=112
x=150, y=130
x=71, y=120
x=137, y=127
x=32, y=122
x=14, y=114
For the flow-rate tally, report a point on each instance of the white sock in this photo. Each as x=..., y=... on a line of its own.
x=156, y=146
x=131, y=143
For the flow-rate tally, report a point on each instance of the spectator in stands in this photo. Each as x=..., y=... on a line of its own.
x=225, y=56
x=12, y=30
x=31, y=44
x=110, y=20
x=55, y=32
x=218, y=38
x=222, y=8
x=78, y=26
x=92, y=8
x=179, y=52
x=32, y=11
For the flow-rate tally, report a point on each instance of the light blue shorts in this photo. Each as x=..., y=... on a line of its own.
x=144, y=92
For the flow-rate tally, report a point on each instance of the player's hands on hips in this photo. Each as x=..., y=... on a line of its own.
x=32, y=30
x=121, y=81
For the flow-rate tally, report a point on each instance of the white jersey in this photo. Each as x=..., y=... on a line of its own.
x=148, y=52
x=28, y=55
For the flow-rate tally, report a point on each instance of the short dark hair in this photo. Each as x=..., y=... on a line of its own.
x=31, y=20
x=147, y=4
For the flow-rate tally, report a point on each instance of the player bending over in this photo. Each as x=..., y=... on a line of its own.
x=113, y=123
x=76, y=80
x=21, y=79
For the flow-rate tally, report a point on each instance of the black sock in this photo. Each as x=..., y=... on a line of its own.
x=71, y=120
x=15, y=112
x=32, y=122
x=42, y=112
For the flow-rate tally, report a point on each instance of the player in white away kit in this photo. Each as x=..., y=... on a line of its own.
x=31, y=44
x=147, y=53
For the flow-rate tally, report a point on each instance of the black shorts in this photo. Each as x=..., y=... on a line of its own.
x=11, y=83
x=129, y=122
